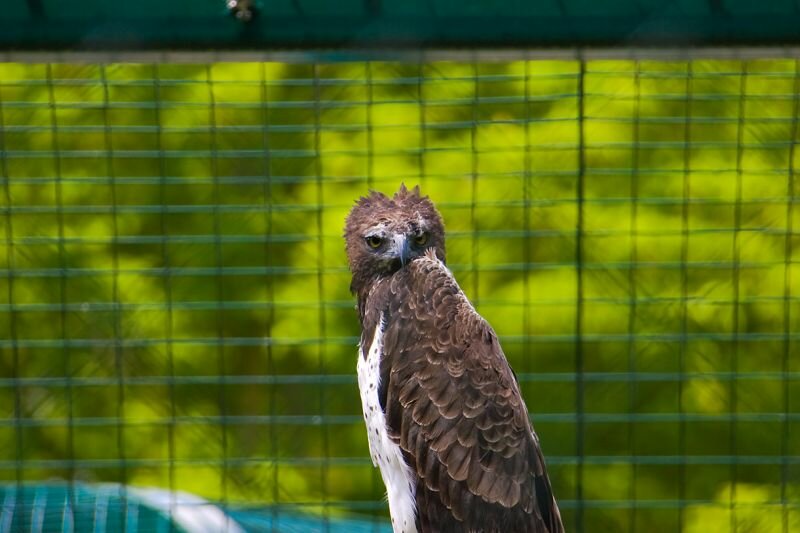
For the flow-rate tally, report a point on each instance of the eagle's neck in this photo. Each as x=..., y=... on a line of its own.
x=372, y=292
x=363, y=286
x=362, y=294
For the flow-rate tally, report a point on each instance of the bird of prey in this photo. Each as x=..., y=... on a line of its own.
x=446, y=422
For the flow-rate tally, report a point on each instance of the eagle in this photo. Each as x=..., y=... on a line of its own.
x=446, y=422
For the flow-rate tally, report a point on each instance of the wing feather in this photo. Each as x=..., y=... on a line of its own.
x=454, y=406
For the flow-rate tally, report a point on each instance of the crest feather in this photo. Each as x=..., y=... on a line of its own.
x=403, y=195
x=373, y=198
x=403, y=192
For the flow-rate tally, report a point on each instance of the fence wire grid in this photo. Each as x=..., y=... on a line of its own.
x=174, y=305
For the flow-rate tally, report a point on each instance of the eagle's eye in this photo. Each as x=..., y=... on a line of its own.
x=421, y=239
x=374, y=241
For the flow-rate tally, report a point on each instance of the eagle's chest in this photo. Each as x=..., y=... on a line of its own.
x=386, y=454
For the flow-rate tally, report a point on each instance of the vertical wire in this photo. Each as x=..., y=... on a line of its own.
x=15, y=366
x=325, y=464
x=167, y=288
x=423, y=136
x=579, y=388
x=684, y=299
x=70, y=399
x=268, y=251
x=220, y=282
x=526, y=223
x=370, y=133
x=787, y=308
x=62, y=286
x=118, y=350
x=474, y=184
x=737, y=214
x=632, y=304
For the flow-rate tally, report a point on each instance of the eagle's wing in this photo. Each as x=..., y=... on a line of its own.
x=453, y=404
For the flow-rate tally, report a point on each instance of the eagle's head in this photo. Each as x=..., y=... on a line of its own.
x=384, y=234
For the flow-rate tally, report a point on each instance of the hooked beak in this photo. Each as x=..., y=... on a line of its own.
x=401, y=248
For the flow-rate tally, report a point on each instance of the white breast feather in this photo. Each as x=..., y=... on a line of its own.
x=386, y=454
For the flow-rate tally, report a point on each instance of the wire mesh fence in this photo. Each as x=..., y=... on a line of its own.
x=174, y=306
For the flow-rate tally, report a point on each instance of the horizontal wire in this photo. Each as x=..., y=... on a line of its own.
x=339, y=103
x=308, y=208
x=347, y=379
x=437, y=77
x=563, y=503
x=221, y=106
x=292, y=128
x=593, y=503
x=452, y=235
x=295, y=271
x=664, y=460
x=670, y=504
x=248, y=305
x=359, y=152
x=353, y=341
x=342, y=100
x=344, y=420
x=437, y=74
x=377, y=127
x=389, y=178
x=232, y=506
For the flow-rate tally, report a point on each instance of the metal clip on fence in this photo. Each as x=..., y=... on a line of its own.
x=242, y=10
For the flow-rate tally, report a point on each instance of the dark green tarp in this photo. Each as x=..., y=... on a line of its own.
x=193, y=24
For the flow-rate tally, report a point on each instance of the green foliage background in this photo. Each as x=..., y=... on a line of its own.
x=174, y=305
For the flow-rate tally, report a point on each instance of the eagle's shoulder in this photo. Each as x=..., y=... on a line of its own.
x=454, y=406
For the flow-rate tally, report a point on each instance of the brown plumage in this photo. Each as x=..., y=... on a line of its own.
x=448, y=397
